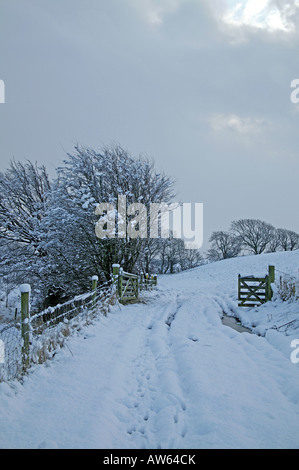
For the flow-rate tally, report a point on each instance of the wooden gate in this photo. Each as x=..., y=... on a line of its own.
x=147, y=281
x=128, y=285
x=254, y=291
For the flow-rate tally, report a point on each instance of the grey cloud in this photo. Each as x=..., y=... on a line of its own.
x=93, y=71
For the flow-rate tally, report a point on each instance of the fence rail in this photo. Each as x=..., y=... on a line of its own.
x=36, y=338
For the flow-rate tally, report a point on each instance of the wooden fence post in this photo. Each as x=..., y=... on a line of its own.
x=120, y=282
x=271, y=271
x=115, y=276
x=115, y=272
x=268, y=288
x=94, y=289
x=25, y=324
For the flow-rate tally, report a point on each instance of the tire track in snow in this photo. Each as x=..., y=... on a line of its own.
x=158, y=422
x=174, y=398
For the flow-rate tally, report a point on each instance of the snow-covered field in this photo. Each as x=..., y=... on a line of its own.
x=168, y=373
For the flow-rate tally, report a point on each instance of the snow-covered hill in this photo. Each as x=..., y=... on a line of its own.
x=168, y=373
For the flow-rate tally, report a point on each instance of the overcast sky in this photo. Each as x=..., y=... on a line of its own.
x=202, y=86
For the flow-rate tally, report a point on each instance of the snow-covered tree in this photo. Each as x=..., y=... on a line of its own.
x=254, y=234
x=48, y=228
x=173, y=256
x=288, y=239
x=24, y=189
x=86, y=179
x=190, y=258
x=223, y=245
x=23, y=192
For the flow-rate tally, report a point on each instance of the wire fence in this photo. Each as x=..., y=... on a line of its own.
x=11, y=347
x=48, y=330
x=288, y=288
